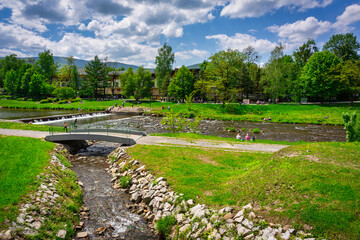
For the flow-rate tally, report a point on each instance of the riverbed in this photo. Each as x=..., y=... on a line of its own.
x=108, y=210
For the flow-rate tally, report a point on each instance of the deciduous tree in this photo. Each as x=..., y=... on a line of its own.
x=344, y=46
x=164, y=62
x=182, y=83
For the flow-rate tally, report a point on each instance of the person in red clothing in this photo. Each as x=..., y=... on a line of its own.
x=247, y=137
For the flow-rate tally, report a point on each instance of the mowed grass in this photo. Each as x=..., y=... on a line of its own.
x=282, y=113
x=21, y=160
x=26, y=126
x=315, y=184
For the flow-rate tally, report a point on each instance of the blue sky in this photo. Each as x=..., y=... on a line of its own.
x=132, y=31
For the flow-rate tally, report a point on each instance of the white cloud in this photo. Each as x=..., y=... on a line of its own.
x=350, y=15
x=257, y=8
x=191, y=54
x=300, y=31
x=241, y=41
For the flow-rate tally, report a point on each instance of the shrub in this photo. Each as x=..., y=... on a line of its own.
x=230, y=129
x=64, y=93
x=194, y=125
x=164, y=225
x=125, y=182
x=63, y=101
x=174, y=122
x=76, y=100
x=243, y=129
x=256, y=130
x=352, y=126
x=48, y=100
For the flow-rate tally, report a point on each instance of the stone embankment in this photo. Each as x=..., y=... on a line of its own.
x=154, y=199
x=48, y=212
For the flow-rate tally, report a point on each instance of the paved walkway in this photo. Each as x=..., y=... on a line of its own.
x=163, y=141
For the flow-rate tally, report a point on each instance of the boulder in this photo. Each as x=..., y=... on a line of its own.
x=61, y=234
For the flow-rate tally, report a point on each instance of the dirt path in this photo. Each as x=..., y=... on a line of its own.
x=167, y=141
x=257, y=147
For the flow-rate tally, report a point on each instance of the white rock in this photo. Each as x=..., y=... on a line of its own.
x=247, y=223
x=184, y=228
x=7, y=235
x=179, y=218
x=239, y=219
x=239, y=214
x=241, y=230
x=249, y=206
x=61, y=234
x=285, y=235
x=190, y=202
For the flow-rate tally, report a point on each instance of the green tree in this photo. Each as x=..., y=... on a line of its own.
x=96, y=73
x=10, y=83
x=36, y=85
x=224, y=74
x=164, y=62
x=64, y=75
x=303, y=53
x=143, y=83
x=25, y=81
x=8, y=63
x=251, y=56
x=255, y=76
x=47, y=65
x=20, y=73
x=182, y=83
x=344, y=46
x=315, y=79
x=64, y=93
x=352, y=126
x=350, y=78
x=74, y=82
x=128, y=83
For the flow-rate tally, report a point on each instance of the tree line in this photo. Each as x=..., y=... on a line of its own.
x=231, y=75
x=227, y=76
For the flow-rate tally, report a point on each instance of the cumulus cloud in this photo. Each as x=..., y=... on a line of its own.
x=350, y=16
x=257, y=8
x=241, y=41
x=300, y=31
x=191, y=54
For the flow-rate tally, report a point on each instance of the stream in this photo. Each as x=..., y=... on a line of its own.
x=107, y=206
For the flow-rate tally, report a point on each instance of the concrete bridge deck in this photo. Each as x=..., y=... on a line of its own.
x=125, y=137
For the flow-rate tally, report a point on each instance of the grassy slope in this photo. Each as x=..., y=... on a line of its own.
x=312, y=183
x=25, y=126
x=288, y=113
x=21, y=160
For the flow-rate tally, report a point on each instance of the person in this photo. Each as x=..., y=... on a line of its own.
x=132, y=105
x=265, y=119
x=65, y=127
x=253, y=138
x=115, y=104
x=247, y=137
x=169, y=108
x=123, y=103
x=269, y=119
x=75, y=123
x=162, y=106
x=238, y=136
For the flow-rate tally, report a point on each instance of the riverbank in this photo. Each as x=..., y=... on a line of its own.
x=39, y=194
x=313, y=186
x=281, y=113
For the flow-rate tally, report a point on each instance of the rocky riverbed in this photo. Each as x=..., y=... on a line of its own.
x=154, y=199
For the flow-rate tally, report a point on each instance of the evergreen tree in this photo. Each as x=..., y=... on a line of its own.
x=96, y=73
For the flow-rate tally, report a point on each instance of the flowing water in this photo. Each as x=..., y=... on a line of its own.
x=107, y=206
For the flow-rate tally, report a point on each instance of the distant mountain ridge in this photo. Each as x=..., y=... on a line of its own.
x=81, y=63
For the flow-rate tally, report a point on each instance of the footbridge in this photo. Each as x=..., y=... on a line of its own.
x=75, y=139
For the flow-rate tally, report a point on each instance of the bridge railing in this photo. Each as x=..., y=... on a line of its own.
x=89, y=130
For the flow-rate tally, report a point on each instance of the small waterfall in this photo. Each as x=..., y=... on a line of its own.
x=70, y=118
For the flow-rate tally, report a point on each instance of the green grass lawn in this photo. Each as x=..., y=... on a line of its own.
x=21, y=160
x=283, y=113
x=26, y=126
x=317, y=184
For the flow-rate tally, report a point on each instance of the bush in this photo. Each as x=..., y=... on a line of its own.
x=352, y=126
x=125, y=182
x=164, y=225
x=230, y=129
x=243, y=129
x=76, y=100
x=48, y=100
x=256, y=130
x=63, y=101
x=64, y=93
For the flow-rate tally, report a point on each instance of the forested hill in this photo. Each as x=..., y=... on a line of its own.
x=81, y=63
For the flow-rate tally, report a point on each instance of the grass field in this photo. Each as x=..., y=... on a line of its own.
x=283, y=113
x=317, y=184
x=25, y=126
x=21, y=160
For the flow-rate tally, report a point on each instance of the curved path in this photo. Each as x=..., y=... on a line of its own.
x=168, y=141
